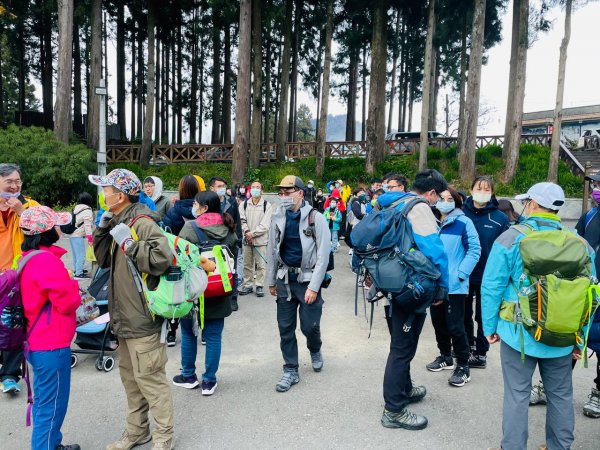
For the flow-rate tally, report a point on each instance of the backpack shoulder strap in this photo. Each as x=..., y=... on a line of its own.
x=25, y=259
x=265, y=203
x=141, y=216
x=199, y=233
x=589, y=216
x=245, y=205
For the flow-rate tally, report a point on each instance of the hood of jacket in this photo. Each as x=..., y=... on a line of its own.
x=492, y=205
x=450, y=218
x=133, y=211
x=388, y=198
x=81, y=207
x=158, y=188
x=183, y=208
x=213, y=226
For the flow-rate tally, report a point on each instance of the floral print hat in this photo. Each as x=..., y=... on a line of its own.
x=121, y=179
x=39, y=219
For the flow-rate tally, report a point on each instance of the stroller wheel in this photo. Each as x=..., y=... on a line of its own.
x=74, y=360
x=99, y=364
x=108, y=363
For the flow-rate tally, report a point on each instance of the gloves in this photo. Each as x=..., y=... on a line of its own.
x=105, y=219
x=122, y=236
x=90, y=239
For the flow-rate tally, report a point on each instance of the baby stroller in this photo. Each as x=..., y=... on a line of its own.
x=93, y=338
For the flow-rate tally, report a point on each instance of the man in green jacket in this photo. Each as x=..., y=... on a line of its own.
x=128, y=248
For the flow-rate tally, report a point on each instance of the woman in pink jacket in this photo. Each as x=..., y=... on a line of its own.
x=50, y=300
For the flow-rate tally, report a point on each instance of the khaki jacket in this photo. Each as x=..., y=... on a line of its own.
x=257, y=220
x=130, y=317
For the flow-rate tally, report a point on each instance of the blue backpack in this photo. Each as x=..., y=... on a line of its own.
x=389, y=256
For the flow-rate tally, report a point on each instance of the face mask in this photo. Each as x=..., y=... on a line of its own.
x=385, y=187
x=255, y=192
x=242, y=190
x=310, y=186
x=333, y=205
x=221, y=192
x=195, y=213
x=106, y=202
x=362, y=198
x=287, y=203
x=481, y=197
x=8, y=195
x=337, y=185
x=596, y=195
x=445, y=207
x=319, y=194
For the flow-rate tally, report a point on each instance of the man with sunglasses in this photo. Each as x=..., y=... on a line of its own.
x=298, y=255
x=12, y=205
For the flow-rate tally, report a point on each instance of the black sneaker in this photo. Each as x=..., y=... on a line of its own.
x=186, y=382
x=171, y=339
x=68, y=447
x=260, y=292
x=81, y=276
x=245, y=291
x=460, y=377
x=417, y=393
x=404, y=419
x=477, y=361
x=234, y=304
x=440, y=363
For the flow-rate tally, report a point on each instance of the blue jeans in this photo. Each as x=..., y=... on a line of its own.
x=51, y=386
x=78, y=246
x=335, y=243
x=213, y=329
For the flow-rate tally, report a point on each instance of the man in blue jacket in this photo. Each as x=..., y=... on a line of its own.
x=502, y=273
x=398, y=390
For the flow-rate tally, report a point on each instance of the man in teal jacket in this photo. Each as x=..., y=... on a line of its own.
x=502, y=273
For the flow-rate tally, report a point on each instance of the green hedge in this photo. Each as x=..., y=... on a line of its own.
x=53, y=173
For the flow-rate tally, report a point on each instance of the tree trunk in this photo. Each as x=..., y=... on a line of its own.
x=179, y=139
x=216, y=80
x=121, y=117
x=201, y=97
x=514, y=111
x=47, y=70
x=294, y=75
x=166, y=89
x=393, y=75
x=277, y=95
x=257, y=103
x=77, y=94
x=352, y=89
x=560, y=89
x=174, y=90
x=22, y=67
x=62, y=109
x=285, y=81
x=93, y=127
x=322, y=130
x=242, y=107
x=146, y=150
x=431, y=126
x=226, y=127
x=140, y=84
x=402, y=78
x=133, y=87
x=467, y=146
x=463, y=78
x=427, y=81
x=377, y=88
x=194, y=82
x=157, y=94
x=266, y=135
x=363, y=127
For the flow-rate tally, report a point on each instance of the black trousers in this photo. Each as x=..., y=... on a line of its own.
x=479, y=343
x=397, y=383
x=288, y=311
x=448, y=322
x=11, y=366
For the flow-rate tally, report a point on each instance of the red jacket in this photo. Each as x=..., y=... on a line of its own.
x=340, y=203
x=45, y=278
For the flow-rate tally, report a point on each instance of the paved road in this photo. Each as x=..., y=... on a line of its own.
x=338, y=408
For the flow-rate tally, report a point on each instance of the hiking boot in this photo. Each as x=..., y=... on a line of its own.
x=68, y=447
x=592, y=406
x=127, y=442
x=440, y=363
x=171, y=339
x=245, y=291
x=317, y=361
x=234, y=304
x=537, y=395
x=477, y=361
x=186, y=382
x=10, y=386
x=404, y=419
x=208, y=387
x=288, y=379
x=168, y=445
x=460, y=377
x=81, y=276
x=417, y=393
x=260, y=292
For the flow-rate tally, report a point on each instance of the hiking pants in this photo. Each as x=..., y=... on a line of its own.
x=11, y=366
x=51, y=388
x=479, y=344
x=212, y=333
x=288, y=310
x=448, y=322
x=142, y=364
x=78, y=246
x=556, y=375
x=254, y=263
x=397, y=383
x=597, y=379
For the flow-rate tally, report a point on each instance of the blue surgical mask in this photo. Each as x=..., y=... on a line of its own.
x=287, y=203
x=445, y=207
x=385, y=187
x=255, y=192
x=221, y=192
x=195, y=212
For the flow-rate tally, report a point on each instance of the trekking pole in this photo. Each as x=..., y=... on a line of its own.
x=254, y=249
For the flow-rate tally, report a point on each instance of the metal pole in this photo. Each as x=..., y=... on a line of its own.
x=101, y=157
x=586, y=187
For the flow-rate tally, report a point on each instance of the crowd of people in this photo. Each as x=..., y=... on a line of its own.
x=286, y=249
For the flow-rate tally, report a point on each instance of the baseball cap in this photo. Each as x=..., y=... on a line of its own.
x=291, y=181
x=547, y=195
x=593, y=177
x=38, y=219
x=340, y=181
x=122, y=179
x=310, y=182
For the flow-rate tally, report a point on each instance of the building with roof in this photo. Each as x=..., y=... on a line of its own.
x=574, y=123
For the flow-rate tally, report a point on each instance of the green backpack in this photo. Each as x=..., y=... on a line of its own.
x=181, y=286
x=557, y=294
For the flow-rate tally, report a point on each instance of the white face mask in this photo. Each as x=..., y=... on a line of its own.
x=242, y=190
x=333, y=205
x=195, y=213
x=310, y=186
x=8, y=195
x=221, y=192
x=481, y=197
x=287, y=203
x=445, y=207
x=255, y=192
